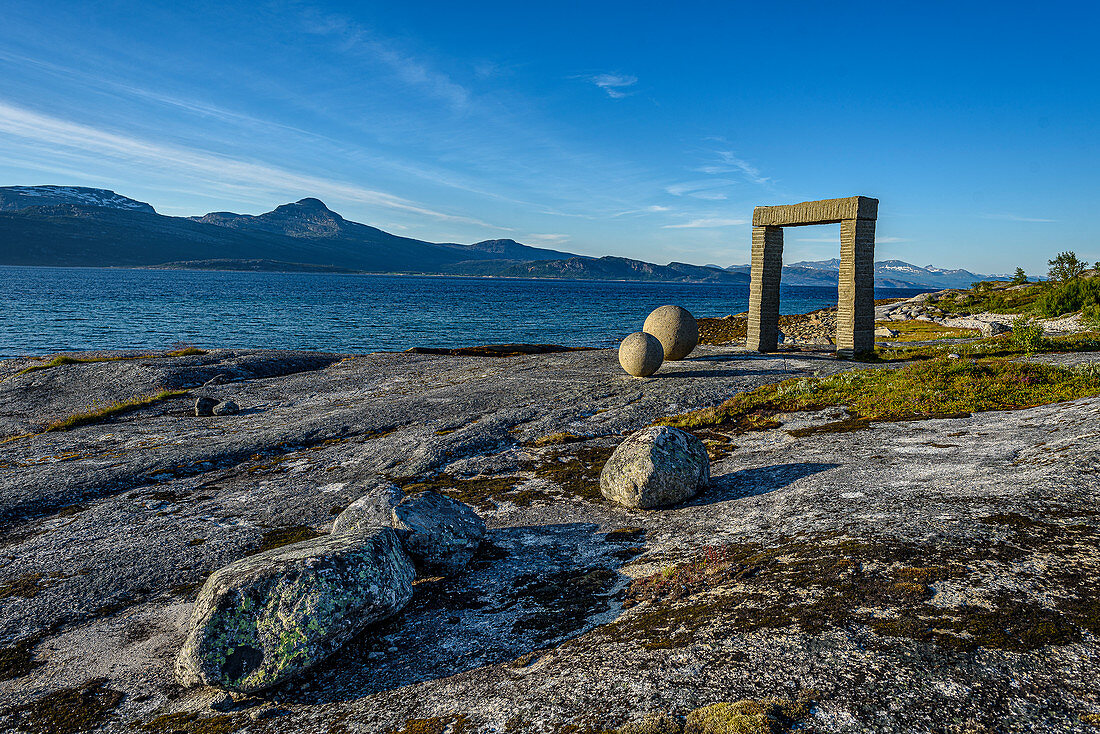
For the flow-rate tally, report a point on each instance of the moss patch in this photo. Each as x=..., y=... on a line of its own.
x=278, y=537
x=17, y=660
x=560, y=604
x=484, y=492
x=576, y=472
x=26, y=586
x=97, y=415
x=836, y=583
x=184, y=723
x=436, y=725
x=69, y=710
x=770, y=716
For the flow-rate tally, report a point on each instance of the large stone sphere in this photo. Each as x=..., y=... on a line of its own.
x=675, y=328
x=641, y=354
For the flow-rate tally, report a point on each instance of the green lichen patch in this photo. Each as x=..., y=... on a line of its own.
x=69, y=710
x=17, y=660
x=27, y=586
x=815, y=585
x=278, y=537
x=653, y=724
x=189, y=723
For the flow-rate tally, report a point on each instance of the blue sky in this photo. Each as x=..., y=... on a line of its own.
x=646, y=130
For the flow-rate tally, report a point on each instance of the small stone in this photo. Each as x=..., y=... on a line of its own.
x=641, y=354
x=675, y=328
x=205, y=406
x=268, y=617
x=654, y=467
x=885, y=332
x=227, y=407
x=995, y=328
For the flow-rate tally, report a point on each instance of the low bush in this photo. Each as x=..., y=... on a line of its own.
x=1027, y=334
x=1078, y=294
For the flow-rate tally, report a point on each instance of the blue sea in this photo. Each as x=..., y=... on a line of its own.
x=74, y=309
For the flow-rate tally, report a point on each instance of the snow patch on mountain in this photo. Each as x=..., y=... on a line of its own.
x=21, y=197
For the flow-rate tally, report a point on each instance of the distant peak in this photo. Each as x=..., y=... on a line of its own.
x=310, y=203
x=308, y=208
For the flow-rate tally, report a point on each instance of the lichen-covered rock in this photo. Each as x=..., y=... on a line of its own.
x=372, y=510
x=441, y=534
x=995, y=328
x=268, y=617
x=654, y=467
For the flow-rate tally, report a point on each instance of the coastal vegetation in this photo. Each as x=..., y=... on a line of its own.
x=97, y=414
x=936, y=387
x=187, y=351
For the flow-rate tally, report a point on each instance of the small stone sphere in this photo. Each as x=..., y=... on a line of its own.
x=675, y=328
x=641, y=354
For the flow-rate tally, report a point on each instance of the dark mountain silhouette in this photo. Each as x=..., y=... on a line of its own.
x=75, y=226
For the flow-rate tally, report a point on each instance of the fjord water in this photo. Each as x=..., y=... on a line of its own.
x=48, y=310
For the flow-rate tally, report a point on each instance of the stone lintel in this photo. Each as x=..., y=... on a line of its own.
x=826, y=211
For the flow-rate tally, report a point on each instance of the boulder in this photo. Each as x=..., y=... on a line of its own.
x=675, y=328
x=268, y=617
x=641, y=354
x=205, y=406
x=885, y=332
x=372, y=510
x=995, y=328
x=441, y=534
x=655, y=466
x=227, y=407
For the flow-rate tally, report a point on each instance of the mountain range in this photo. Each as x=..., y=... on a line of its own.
x=79, y=226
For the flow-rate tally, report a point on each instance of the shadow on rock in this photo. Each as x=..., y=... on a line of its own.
x=528, y=588
x=758, y=480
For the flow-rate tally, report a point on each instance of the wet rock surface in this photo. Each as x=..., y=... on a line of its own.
x=922, y=576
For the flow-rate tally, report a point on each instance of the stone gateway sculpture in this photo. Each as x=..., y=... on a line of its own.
x=855, y=326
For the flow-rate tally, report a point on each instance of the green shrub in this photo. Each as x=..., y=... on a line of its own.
x=1073, y=295
x=1027, y=334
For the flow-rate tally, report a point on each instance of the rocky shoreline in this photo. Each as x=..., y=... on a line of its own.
x=934, y=575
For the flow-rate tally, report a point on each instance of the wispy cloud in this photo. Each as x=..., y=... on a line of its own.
x=728, y=162
x=617, y=86
x=550, y=237
x=706, y=223
x=213, y=169
x=356, y=39
x=708, y=189
x=1016, y=218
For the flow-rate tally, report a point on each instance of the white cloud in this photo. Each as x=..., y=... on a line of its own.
x=707, y=222
x=614, y=84
x=212, y=169
x=730, y=163
x=1016, y=218
x=707, y=188
x=548, y=237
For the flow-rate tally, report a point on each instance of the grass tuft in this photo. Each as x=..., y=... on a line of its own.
x=99, y=414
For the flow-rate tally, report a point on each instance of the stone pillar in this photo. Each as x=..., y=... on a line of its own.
x=767, y=268
x=855, y=322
